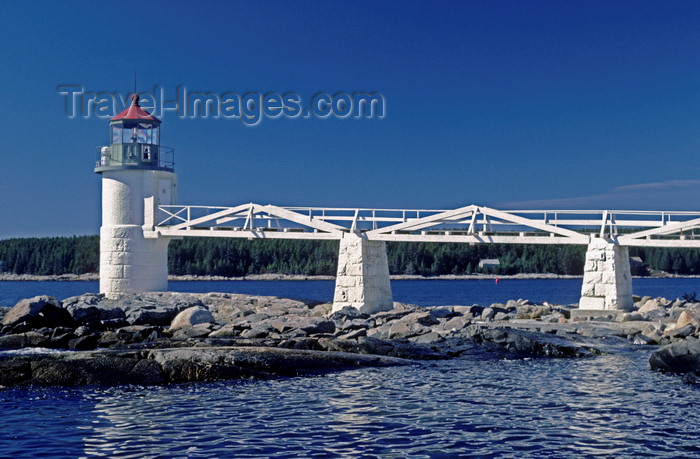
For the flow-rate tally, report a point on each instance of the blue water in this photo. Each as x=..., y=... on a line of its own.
x=475, y=406
x=428, y=292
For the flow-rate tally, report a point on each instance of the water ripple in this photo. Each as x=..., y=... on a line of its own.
x=610, y=406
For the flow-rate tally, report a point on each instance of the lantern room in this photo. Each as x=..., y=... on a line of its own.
x=135, y=142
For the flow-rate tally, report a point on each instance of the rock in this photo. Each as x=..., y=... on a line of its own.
x=354, y=324
x=488, y=314
x=84, y=343
x=192, y=316
x=680, y=357
x=259, y=331
x=650, y=305
x=679, y=332
x=320, y=327
x=405, y=329
x=468, y=310
x=678, y=303
x=398, y=348
x=37, y=312
x=227, y=331
x=630, y=317
x=427, y=338
x=13, y=341
x=415, y=323
x=387, y=316
x=500, y=316
x=512, y=305
x=441, y=312
x=687, y=317
x=194, y=331
x=640, y=339
x=532, y=312
x=80, y=368
x=322, y=310
x=210, y=364
x=348, y=313
x=354, y=334
x=527, y=343
x=453, y=325
x=655, y=314
x=154, y=308
x=92, y=309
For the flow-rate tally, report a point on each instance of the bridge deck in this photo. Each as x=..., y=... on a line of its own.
x=470, y=224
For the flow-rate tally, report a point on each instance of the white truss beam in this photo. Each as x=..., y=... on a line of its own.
x=462, y=225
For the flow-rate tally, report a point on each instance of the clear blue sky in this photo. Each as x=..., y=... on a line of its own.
x=510, y=104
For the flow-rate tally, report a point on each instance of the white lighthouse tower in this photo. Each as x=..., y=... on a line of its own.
x=137, y=176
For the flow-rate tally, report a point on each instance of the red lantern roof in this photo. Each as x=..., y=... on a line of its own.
x=135, y=112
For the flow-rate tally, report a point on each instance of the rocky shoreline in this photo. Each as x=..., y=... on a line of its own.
x=166, y=338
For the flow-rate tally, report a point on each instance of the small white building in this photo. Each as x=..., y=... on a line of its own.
x=490, y=263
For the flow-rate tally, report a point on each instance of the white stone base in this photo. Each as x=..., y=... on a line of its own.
x=607, y=280
x=363, y=276
x=130, y=263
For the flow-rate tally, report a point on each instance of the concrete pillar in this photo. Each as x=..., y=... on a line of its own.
x=607, y=280
x=129, y=262
x=363, y=275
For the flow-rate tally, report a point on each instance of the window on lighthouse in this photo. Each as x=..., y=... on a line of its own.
x=116, y=134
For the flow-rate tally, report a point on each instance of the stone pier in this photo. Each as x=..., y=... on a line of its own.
x=363, y=275
x=607, y=280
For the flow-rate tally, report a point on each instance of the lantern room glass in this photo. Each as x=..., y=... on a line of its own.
x=135, y=132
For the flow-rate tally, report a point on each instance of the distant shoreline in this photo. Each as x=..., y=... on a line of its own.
x=301, y=277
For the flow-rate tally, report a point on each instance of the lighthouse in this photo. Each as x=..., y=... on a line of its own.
x=137, y=176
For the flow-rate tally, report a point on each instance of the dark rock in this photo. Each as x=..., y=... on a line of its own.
x=196, y=331
x=679, y=357
x=348, y=313
x=151, y=316
x=320, y=327
x=381, y=318
x=354, y=334
x=13, y=341
x=526, y=343
x=114, y=323
x=92, y=309
x=427, y=338
x=37, y=312
x=354, y=324
x=185, y=365
x=84, y=343
x=260, y=331
x=398, y=348
x=60, y=340
x=441, y=312
x=71, y=369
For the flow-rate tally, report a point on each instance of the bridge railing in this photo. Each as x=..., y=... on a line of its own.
x=564, y=226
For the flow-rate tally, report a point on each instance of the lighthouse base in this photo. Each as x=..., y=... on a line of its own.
x=130, y=263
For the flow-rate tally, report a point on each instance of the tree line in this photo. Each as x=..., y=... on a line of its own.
x=240, y=257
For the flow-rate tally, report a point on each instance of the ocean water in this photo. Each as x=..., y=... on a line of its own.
x=477, y=406
x=424, y=292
